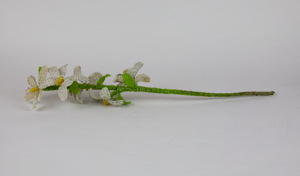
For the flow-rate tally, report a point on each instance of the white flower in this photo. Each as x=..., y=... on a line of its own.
x=132, y=72
x=63, y=91
x=35, y=92
x=78, y=76
x=105, y=96
x=93, y=78
x=57, y=76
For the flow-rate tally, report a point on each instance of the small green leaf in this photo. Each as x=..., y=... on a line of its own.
x=119, y=97
x=102, y=79
x=128, y=80
x=73, y=88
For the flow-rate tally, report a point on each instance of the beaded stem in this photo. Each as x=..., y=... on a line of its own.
x=119, y=89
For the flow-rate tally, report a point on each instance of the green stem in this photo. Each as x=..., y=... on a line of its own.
x=119, y=89
x=193, y=93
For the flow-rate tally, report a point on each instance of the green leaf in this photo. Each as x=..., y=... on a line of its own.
x=102, y=79
x=119, y=97
x=73, y=88
x=128, y=80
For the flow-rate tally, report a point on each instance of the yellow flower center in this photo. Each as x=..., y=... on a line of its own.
x=60, y=80
x=34, y=89
x=105, y=103
x=123, y=71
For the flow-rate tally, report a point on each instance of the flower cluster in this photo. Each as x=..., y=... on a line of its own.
x=58, y=78
x=132, y=72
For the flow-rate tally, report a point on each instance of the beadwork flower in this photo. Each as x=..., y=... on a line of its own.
x=78, y=77
x=63, y=91
x=105, y=96
x=132, y=72
x=57, y=76
x=93, y=78
x=35, y=92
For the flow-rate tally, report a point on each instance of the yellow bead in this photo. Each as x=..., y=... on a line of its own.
x=34, y=89
x=60, y=80
x=123, y=71
x=105, y=103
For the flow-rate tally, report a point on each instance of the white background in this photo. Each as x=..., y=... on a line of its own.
x=213, y=46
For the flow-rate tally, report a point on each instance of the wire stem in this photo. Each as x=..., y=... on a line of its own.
x=119, y=89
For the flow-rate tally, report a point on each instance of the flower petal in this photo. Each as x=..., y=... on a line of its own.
x=54, y=72
x=142, y=78
x=133, y=71
x=77, y=96
x=27, y=90
x=93, y=78
x=47, y=82
x=43, y=73
x=104, y=93
x=83, y=78
x=31, y=81
x=138, y=65
x=63, y=91
x=77, y=70
x=39, y=95
x=121, y=84
x=119, y=78
x=63, y=70
x=115, y=103
x=29, y=96
x=93, y=96
x=78, y=76
x=35, y=97
x=67, y=82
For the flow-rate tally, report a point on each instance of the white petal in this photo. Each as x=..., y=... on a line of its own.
x=115, y=103
x=29, y=96
x=78, y=76
x=142, y=78
x=133, y=71
x=54, y=72
x=93, y=78
x=27, y=90
x=78, y=98
x=63, y=70
x=66, y=82
x=77, y=70
x=121, y=84
x=73, y=78
x=43, y=73
x=35, y=97
x=31, y=81
x=47, y=82
x=93, y=96
x=118, y=78
x=104, y=93
x=62, y=93
x=138, y=65
x=39, y=95
x=83, y=78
